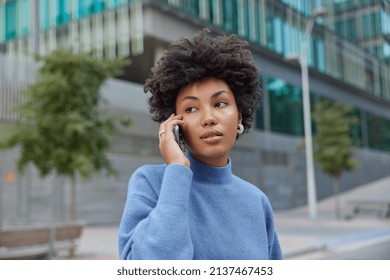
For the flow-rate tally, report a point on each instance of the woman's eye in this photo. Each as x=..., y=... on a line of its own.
x=221, y=104
x=190, y=109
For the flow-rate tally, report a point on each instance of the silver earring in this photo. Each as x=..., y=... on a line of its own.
x=240, y=129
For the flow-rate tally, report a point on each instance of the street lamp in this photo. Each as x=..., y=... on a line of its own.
x=310, y=179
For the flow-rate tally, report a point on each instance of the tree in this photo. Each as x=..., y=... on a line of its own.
x=61, y=129
x=333, y=149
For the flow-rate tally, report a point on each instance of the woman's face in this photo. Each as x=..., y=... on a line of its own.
x=211, y=118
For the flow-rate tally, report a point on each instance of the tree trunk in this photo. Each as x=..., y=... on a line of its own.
x=336, y=191
x=73, y=198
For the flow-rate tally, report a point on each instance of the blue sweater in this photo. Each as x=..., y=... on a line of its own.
x=202, y=212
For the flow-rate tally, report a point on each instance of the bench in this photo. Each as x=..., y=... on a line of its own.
x=378, y=204
x=37, y=242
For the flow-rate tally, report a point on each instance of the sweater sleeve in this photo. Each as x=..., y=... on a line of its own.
x=274, y=249
x=157, y=226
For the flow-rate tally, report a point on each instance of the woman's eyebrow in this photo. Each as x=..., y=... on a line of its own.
x=190, y=97
x=215, y=95
x=218, y=93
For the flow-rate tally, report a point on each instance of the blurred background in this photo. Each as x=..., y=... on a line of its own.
x=325, y=50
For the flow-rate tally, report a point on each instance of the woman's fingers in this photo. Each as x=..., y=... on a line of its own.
x=167, y=126
x=169, y=148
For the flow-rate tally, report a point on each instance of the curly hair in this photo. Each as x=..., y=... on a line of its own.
x=188, y=61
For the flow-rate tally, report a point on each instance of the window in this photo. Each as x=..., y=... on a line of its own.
x=25, y=17
x=378, y=132
x=192, y=7
x=275, y=33
x=98, y=6
x=385, y=20
x=371, y=25
x=286, y=111
x=347, y=29
x=356, y=131
x=320, y=55
x=11, y=24
x=230, y=16
x=84, y=8
x=62, y=16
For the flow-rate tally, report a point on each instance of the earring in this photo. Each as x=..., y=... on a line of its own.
x=240, y=129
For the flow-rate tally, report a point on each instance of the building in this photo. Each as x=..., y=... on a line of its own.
x=365, y=23
x=348, y=62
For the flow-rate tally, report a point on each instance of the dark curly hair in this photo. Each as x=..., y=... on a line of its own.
x=187, y=61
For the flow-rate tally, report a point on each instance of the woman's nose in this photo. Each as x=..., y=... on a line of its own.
x=208, y=118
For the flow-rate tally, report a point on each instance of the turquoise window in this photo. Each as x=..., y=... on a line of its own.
x=259, y=121
x=347, y=29
x=83, y=8
x=121, y=2
x=192, y=7
x=344, y=5
x=258, y=21
x=230, y=16
x=111, y=3
x=385, y=20
x=356, y=131
x=278, y=29
x=275, y=33
x=252, y=20
x=11, y=24
x=371, y=25
x=286, y=111
x=26, y=17
x=62, y=16
x=98, y=6
x=302, y=6
x=211, y=7
x=378, y=132
x=320, y=56
x=44, y=14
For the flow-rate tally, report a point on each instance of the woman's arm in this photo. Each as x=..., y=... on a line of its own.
x=155, y=226
x=274, y=249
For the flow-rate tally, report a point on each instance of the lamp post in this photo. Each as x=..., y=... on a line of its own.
x=310, y=179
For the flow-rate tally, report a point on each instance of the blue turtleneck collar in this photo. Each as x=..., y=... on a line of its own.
x=210, y=174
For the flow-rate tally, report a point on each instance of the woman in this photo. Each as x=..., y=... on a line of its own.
x=193, y=207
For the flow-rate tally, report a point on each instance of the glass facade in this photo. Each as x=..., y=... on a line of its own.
x=366, y=23
x=285, y=105
x=278, y=26
x=52, y=13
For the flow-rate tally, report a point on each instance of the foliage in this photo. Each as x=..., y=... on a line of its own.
x=333, y=147
x=61, y=128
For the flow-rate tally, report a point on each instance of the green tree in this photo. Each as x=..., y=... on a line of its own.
x=61, y=130
x=333, y=146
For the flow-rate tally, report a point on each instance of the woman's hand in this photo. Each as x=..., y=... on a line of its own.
x=169, y=148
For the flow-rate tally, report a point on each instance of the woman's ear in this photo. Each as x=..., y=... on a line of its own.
x=239, y=117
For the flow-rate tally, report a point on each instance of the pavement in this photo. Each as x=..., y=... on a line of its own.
x=325, y=237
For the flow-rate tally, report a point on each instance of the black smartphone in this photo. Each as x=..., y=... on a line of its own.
x=179, y=137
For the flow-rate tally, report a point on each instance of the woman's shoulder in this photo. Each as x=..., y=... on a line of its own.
x=149, y=172
x=146, y=178
x=247, y=185
x=251, y=189
x=151, y=168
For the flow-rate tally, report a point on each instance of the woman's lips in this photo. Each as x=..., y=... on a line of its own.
x=212, y=137
x=211, y=134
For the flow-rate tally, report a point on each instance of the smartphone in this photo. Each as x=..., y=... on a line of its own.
x=179, y=137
